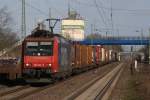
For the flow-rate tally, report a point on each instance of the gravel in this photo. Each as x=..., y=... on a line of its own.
x=133, y=87
x=63, y=89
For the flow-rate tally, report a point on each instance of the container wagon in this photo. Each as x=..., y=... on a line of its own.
x=51, y=56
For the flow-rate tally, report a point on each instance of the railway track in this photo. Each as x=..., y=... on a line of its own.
x=2, y=87
x=8, y=90
x=98, y=89
x=20, y=92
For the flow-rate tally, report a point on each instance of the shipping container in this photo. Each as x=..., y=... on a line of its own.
x=98, y=54
x=83, y=56
x=77, y=58
x=90, y=53
x=106, y=55
x=103, y=54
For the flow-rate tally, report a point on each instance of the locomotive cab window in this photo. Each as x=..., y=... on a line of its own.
x=39, y=48
x=31, y=48
x=46, y=48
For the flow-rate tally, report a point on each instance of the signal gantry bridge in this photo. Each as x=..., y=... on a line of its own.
x=118, y=41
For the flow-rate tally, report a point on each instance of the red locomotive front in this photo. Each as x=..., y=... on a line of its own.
x=40, y=57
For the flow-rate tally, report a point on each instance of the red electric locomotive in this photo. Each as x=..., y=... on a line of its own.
x=45, y=55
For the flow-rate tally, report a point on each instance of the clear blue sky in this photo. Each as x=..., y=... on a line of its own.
x=128, y=15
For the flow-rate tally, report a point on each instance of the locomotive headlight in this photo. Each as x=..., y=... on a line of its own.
x=39, y=54
x=49, y=64
x=27, y=64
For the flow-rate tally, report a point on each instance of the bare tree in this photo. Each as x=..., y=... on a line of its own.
x=7, y=37
x=5, y=19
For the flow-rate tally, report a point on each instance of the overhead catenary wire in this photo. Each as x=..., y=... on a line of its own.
x=103, y=11
x=35, y=8
x=111, y=15
x=100, y=13
x=105, y=16
x=114, y=9
x=46, y=14
x=52, y=7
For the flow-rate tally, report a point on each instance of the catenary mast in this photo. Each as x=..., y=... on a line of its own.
x=23, y=26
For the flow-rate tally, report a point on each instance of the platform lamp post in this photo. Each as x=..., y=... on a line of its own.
x=141, y=35
x=92, y=36
x=149, y=45
x=131, y=54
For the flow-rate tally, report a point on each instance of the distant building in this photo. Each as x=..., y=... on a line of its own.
x=73, y=27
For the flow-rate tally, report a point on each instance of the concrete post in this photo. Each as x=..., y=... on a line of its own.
x=110, y=55
x=119, y=56
x=149, y=46
x=149, y=51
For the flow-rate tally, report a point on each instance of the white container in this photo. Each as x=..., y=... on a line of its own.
x=103, y=54
x=110, y=55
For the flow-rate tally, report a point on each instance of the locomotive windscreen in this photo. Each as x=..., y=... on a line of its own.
x=39, y=49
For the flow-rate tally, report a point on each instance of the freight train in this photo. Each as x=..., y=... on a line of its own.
x=51, y=56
